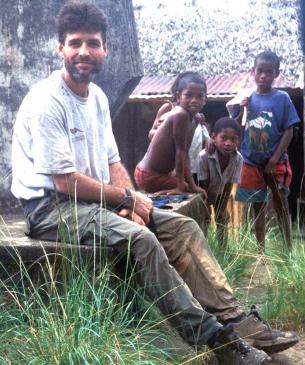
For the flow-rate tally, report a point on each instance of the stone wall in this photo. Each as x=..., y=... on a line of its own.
x=28, y=53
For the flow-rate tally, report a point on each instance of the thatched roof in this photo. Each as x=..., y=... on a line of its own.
x=186, y=35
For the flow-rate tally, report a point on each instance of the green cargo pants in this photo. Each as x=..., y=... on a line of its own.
x=178, y=269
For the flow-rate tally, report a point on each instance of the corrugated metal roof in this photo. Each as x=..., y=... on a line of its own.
x=219, y=87
x=154, y=85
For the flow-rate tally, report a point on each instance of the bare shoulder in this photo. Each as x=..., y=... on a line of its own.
x=179, y=113
x=176, y=113
x=165, y=108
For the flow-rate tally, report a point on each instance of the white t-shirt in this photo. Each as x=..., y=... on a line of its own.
x=59, y=132
x=201, y=134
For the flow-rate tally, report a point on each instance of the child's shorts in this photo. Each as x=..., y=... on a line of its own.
x=152, y=181
x=253, y=187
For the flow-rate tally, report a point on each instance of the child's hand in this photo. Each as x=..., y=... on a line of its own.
x=200, y=118
x=170, y=192
x=269, y=168
x=197, y=189
x=244, y=101
x=158, y=123
x=209, y=146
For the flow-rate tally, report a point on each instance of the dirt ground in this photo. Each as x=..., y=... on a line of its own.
x=253, y=291
x=292, y=356
x=254, y=288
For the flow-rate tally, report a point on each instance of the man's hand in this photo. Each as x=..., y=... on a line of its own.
x=129, y=214
x=142, y=206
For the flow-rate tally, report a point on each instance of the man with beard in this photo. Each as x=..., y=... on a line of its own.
x=71, y=183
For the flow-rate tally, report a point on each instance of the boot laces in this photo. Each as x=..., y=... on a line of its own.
x=234, y=342
x=241, y=347
x=254, y=312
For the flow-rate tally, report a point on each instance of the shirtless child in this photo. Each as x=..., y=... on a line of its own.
x=201, y=138
x=169, y=148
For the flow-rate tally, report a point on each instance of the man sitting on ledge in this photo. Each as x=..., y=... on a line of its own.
x=63, y=146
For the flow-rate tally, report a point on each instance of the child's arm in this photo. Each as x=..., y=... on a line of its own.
x=181, y=135
x=165, y=108
x=182, y=167
x=209, y=146
x=203, y=171
x=204, y=184
x=281, y=148
x=233, y=107
x=190, y=180
x=243, y=111
x=237, y=107
x=237, y=111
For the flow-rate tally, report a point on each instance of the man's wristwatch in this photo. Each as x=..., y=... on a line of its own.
x=128, y=200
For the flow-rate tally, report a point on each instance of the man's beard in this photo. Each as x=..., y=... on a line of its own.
x=82, y=76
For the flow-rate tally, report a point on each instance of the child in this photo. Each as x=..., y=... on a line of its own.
x=200, y=139
x=267, y=134
x=201, y=135
x=169, y=147
x=219, y=170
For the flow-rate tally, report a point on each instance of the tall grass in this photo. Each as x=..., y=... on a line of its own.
x=67, y=309
x=286, y=294
x=74, y=311
x=237, y=256
x=274, y=281
x=77, y=317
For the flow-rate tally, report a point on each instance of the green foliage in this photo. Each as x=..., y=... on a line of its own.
x=75, y=311
x=286, y=296
x=78, y=317
x=274, y=281
x=236, y=258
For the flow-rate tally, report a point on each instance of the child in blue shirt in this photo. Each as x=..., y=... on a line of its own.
x=267, y=134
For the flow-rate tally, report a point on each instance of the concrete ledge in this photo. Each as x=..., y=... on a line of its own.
x=15, y=244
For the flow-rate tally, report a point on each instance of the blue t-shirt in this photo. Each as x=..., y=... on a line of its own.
x=269, y=115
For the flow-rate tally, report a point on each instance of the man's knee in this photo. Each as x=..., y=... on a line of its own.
x=188, y=237
x=145, y=243
x=189, y=224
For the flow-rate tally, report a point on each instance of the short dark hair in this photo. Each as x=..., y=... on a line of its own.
x=183, y=79
x=80, y=15
x=226, y=122
x=268, y=56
